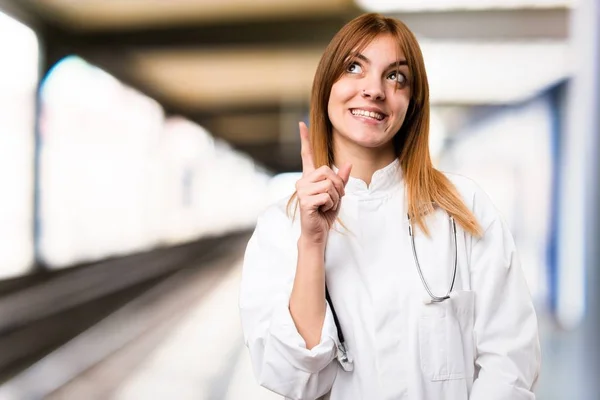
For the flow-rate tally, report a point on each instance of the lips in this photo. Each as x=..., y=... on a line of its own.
x=376, y=115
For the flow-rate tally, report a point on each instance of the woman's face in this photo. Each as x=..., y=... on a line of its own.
x=367, y=105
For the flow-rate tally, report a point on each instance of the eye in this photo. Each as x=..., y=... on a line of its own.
x=354, y=68
x=398, y=77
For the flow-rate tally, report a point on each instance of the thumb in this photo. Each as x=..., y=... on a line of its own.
x=344, y=172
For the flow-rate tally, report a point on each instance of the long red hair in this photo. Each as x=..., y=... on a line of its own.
x=425, y=185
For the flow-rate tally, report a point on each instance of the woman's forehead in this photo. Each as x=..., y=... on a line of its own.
x=382, y=49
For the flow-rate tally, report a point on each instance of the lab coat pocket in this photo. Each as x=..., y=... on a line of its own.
x=445, y=332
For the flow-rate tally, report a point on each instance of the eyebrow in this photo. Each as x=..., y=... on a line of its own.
x=393, y=64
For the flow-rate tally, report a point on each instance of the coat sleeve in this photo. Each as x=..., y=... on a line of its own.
x=506, y=330
x=280, y=359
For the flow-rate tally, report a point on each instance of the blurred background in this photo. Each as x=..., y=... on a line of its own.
x=139, y=140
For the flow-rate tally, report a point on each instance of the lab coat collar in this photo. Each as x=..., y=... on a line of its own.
x=383, y=181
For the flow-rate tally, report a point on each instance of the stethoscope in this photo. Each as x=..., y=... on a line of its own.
x=343, y=356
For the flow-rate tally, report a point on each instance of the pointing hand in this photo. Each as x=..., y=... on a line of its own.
x=319, y=191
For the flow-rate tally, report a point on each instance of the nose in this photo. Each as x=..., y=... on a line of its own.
x=373, y=90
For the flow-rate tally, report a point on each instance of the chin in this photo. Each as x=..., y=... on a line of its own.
x=371, y=144
x=371, y=141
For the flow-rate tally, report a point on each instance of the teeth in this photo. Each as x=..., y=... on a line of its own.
x=370, y=114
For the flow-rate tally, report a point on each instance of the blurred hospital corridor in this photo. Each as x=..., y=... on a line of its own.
x=141, y=141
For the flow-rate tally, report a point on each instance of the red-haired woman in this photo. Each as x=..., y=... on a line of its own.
x=408, y=288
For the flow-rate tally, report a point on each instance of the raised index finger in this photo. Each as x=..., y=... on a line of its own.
x=308, y=163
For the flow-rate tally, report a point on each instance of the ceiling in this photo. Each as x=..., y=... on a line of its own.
x=220, y=78
x=459, y=73
x=136, y=14
x=235, y=64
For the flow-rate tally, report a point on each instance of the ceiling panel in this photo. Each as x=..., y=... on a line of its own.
x=459, y=73
x=205, y=79
x=135, y=14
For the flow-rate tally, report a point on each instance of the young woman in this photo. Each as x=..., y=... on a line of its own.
x=385, y=278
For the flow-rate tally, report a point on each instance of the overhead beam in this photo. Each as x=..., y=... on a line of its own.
x=20, y=12
x=305, y=30
x=289, y=30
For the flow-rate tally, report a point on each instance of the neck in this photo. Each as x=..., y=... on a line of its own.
x=365, y=161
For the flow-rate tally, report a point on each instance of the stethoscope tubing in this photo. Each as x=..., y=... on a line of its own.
x=435, y=299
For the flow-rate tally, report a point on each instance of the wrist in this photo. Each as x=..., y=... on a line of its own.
x=306, y=244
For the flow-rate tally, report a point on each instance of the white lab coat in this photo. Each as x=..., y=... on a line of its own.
x=481, y=344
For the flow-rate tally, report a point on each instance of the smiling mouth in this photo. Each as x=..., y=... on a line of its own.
x=368, y=114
